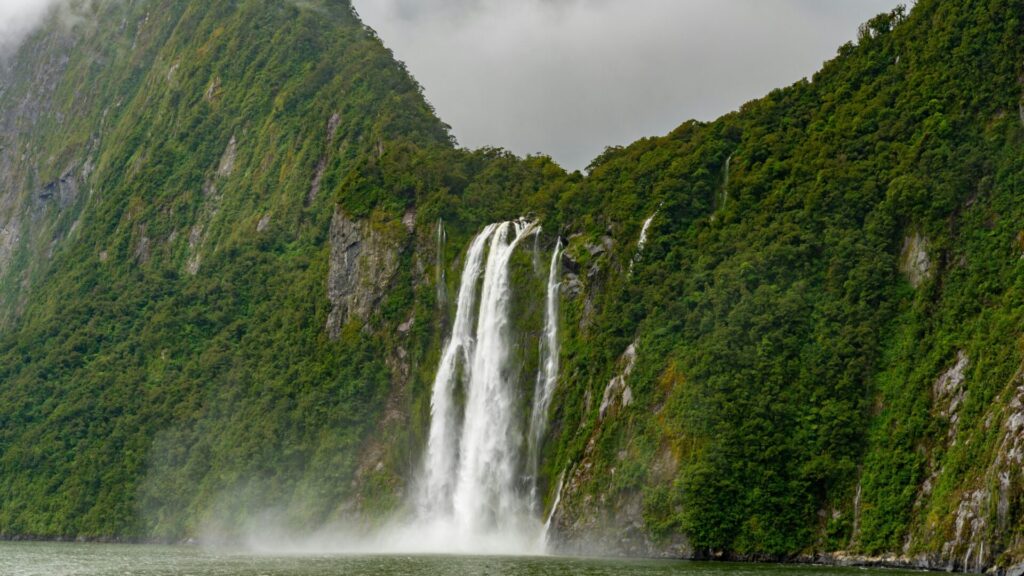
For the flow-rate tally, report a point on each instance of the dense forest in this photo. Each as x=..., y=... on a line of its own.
x=222, y=291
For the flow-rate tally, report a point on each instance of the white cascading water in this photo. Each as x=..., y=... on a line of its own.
x=439, y=463
x=725, y=182
x=642, y=241
x=471, y=497
x=643, y=232
x=547, y=375
x=485, y=492
x=442, y=289
x=545, y=533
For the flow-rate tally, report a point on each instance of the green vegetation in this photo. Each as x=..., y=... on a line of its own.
x=169, y=366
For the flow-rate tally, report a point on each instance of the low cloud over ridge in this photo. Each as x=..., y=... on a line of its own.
x=568, y=77
x=17, y=20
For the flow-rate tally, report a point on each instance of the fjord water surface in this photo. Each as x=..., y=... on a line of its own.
x=67, y=559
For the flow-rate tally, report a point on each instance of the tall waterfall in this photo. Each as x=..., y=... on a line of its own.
x=485, y=493
x=547, y=376
x=440, y=460
x=472, y=490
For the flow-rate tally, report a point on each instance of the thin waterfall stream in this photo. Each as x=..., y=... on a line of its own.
x=547, y=375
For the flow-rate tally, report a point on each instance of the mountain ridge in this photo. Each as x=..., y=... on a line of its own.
x=243, y=310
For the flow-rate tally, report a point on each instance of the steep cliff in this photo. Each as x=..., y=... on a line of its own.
x=827, y=363
x=793, y=331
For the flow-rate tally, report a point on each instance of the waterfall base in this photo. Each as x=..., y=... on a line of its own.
x=435, y=536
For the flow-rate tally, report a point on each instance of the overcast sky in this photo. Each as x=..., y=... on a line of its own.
x=569, y=77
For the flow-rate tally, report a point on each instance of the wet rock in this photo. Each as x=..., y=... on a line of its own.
x=404, y=328
x=142, y=251
x=915, y=264
x=948, y=391
x=617, y=390
x=171, y=71
x=318, y=175
x=363, y=263
x=571, y=285
x=321, y=165
x=10, y=236
x=409, y=220
x=195, y=239
x=213, y=90
x=332, y=126
x=227, y=160
x=570, y=264
x=60, y=193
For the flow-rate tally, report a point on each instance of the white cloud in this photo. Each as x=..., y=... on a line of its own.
x=18, y=18
x=568, y=77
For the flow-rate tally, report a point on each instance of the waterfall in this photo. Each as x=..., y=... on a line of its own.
x=442, y=290
x=725, y=182
x=547, y=375
x=642, y=241
x=438, y=485
x=485, y=495
x=536, y=252
x=545, y=533
x=471, y=496
x=643, y=233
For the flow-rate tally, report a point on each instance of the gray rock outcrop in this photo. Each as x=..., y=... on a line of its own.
x=363, y=263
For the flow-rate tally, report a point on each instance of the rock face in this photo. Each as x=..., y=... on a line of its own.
x=606, y=525
x=363, y=263
x=227, y=161
x=948, y=391
x=608, y=522
x=915, y=263
x=618, y=391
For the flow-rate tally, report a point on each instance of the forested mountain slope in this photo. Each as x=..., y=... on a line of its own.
x=222, y=290
x=185, y=338
x=827, y=312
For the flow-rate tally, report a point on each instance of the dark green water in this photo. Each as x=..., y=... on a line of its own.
x=50, y=559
